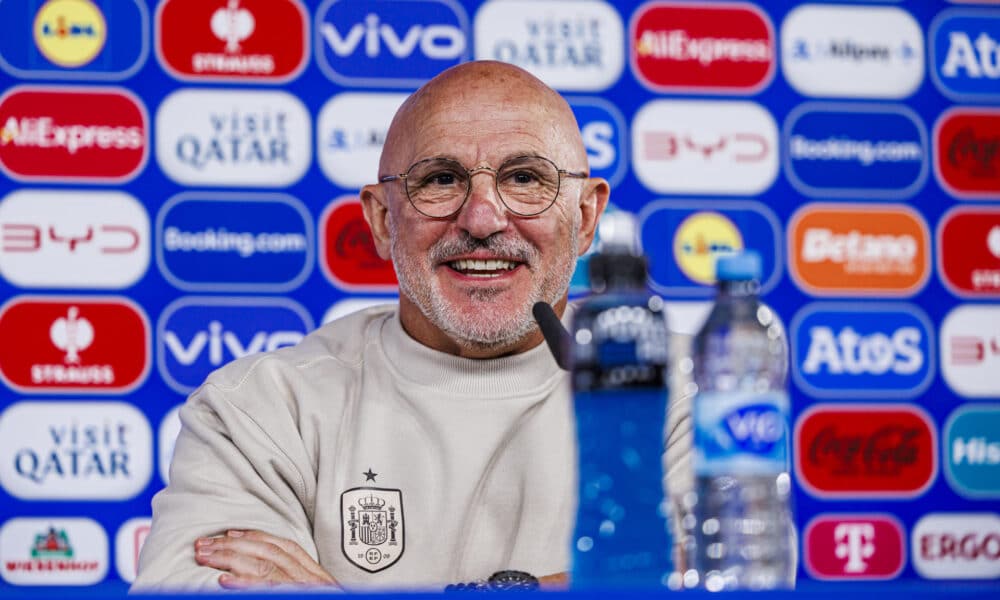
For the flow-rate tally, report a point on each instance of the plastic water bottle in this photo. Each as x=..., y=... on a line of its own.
x=743, y=525
x=619, y=357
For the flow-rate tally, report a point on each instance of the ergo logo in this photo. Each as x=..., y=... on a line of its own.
x=718, y=48
x=968, y=242
x=957, y=546
x=854, y=546
x=967, y=152
x=349, y=258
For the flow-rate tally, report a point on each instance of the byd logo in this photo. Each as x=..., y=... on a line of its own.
x=957, y=546
x=865, y=451
x=91, y=135
x=725, y=47
x=967, y=152
x=385, y=43
x=84, y=345
x=970, y=350
x=862, y=350
x=855, y=546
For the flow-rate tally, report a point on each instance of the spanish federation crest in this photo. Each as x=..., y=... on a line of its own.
x=372, y=534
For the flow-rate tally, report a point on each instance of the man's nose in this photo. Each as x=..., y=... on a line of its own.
x=484, y=213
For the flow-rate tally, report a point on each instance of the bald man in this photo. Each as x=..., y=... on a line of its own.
x=417, y=446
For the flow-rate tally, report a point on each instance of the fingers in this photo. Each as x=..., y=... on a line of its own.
x=557, y=581
x=299, y=557
x=253, y=558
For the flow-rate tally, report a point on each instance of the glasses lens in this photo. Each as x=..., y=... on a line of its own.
x=528, y=184
x=437, y=187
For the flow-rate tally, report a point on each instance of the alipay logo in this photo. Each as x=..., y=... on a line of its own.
x=195, y=336
x=862, y=350
x=382, y=43
x=965, y=54
x=350, y=132
x=603, y=130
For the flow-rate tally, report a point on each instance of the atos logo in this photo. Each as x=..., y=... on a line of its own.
x=75, y=451
x=350, y=132
x=74, y=39
x=683, y=240
x=967, y=147
x=603, y=130
x=128, y=544
x=380, y=43
x=196, y=336
x=859, y=249
x=863, y=151
x=233, y=138
x=90, y=135
x=862, y=350
x=852, y=51
x=856, y=546
x=52, y=551
x=242, y=40
x=965, y=54
x=970, y=350
x=62, y=239
x=83, y=345
x=227, y=242
x=705, y=147
x=349, y=258
x=865, y=451
x=968, y=242
x=972, y=451
x=575, y=47
x=957, y=546
x=680, y=47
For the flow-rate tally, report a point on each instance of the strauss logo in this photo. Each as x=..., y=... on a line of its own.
x=232, y=25
x=72, y=334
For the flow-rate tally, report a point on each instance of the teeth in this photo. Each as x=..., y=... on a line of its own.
x=483, y=265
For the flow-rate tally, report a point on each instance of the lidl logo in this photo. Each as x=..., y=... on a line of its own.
x=705, y=147
x=970, y=350
x=866, y=350
x=957, y=546
x=92, y=135
x=53, y=551
x=235, y=242
x=963, y=53
x=349, y=258
x=856, y=150
x=972, y=451
x=967, y=160
x=196, y=336
x=350, y=131
x=602, y=128
x=683, y=240
x=572, y=47
x=63, y=239
x=242, y=40
x=854, y=546
x=865, y=451
x=968, y=242
x=382, y=43
x=852, y=51
x=682, y=47
x=859, y=249
x=74, y=39
x=84, y=345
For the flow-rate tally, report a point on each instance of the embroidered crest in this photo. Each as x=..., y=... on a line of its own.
x=372, y=533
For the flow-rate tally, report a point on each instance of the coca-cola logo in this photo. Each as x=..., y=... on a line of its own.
x=977, y=153
x=967, y=144
x=354, y=242
x=349, y=258
x=871, y=450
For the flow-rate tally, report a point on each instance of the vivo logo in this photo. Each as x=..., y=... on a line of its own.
x=198, y=335
x=435, y=41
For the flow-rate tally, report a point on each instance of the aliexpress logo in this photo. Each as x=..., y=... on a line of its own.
x=858, y=249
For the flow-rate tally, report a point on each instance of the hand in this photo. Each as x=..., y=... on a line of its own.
x=256, y=559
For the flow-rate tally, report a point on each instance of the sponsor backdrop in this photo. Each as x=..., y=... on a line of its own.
x=179, y=184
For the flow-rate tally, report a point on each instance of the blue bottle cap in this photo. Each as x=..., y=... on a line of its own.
x=738, y=267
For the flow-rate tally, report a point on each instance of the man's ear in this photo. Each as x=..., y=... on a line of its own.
x=375, y=206
x=593, y=201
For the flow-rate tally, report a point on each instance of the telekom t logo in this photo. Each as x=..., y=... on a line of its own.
x=854, y=546
x=855, y=542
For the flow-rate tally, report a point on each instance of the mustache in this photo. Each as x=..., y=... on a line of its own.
x=513, y=248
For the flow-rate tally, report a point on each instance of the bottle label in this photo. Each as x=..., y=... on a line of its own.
x=742, y=433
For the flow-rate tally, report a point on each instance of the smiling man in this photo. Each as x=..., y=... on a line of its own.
x=421, y=445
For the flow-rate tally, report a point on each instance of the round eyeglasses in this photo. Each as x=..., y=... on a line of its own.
x=439, y=187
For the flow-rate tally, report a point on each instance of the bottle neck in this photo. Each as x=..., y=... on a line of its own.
x=744, y=289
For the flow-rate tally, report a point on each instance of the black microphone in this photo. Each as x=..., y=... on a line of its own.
x=553, y=331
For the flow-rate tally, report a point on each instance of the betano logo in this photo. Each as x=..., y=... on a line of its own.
x=364, y=43
x=719, y=48
x=82, y=345
x=887, y=451
x=349, y=258
x=967, y=152
x=70, y=33
x=854, y=546
x=702, y=239
x=852, y=51
x=965, y=54
x=970, y=350
x=957, y=546
x=858, y=249
x=78, y=134
x=53, y=551
x=232, y=40
x=968, y=243
x=573, y=47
